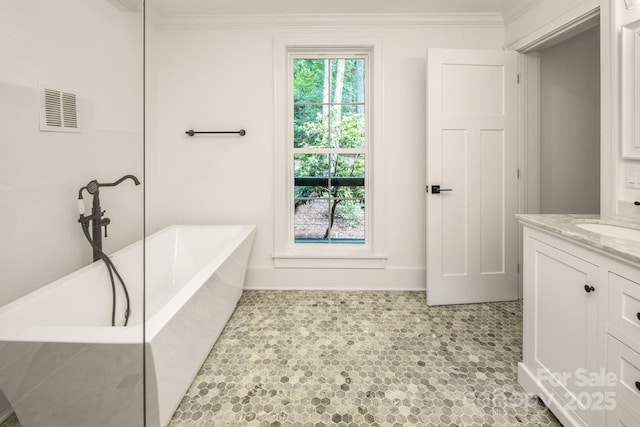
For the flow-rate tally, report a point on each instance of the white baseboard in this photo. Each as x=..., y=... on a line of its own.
x=389, y=279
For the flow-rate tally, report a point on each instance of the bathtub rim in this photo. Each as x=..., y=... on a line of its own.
x=118, y=334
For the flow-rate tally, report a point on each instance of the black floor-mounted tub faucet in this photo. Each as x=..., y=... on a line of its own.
x=95, y=239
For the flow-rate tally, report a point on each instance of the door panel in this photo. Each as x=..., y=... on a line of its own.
x=454, y=211
x=472, y=89
x=471, y=150
x=492, y=187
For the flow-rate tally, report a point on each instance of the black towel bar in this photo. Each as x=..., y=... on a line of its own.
x=240, y=132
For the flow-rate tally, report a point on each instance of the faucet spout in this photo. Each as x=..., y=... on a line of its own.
x=135, y=180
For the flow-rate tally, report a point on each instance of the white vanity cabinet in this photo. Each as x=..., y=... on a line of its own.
x=581, y=347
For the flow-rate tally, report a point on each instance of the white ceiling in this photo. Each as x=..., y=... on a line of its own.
x=258, y=7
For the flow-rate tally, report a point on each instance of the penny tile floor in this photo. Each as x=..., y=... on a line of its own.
x=316, y=358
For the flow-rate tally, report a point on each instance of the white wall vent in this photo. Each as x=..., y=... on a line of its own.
x=59, y=111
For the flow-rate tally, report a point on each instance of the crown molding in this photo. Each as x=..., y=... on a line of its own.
x=377, y=20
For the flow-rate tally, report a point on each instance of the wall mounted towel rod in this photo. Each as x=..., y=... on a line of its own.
x=240, y=132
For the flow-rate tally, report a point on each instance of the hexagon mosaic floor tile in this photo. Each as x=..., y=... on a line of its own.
x=316, y=358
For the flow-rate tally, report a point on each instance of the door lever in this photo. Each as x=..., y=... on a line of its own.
x=435, y=189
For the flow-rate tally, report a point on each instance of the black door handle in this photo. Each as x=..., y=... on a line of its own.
x=435, y=189
x=588, y=288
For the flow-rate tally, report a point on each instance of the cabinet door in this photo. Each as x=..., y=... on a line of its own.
x=562, y=296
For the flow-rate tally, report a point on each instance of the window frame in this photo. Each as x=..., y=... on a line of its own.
x=288, y=253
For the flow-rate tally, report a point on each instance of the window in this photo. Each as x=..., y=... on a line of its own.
x=328, y=155
x=329, y=149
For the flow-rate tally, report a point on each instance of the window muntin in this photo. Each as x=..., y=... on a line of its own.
x=329, y=148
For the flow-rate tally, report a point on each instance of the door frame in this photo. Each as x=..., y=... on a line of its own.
x=529, y=123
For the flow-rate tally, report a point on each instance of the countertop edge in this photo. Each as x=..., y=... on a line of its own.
x=565, y=226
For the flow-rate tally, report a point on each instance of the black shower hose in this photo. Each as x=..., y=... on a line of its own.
x=111, y=269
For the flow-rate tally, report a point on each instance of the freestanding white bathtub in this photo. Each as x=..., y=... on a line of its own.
x=62, y=364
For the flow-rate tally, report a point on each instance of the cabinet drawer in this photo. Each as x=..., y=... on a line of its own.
x=625, y=364
x=624, y=306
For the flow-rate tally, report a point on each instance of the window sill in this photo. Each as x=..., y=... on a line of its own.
x=292, y=260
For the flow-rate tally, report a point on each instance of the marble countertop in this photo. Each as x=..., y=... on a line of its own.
x=565, y=226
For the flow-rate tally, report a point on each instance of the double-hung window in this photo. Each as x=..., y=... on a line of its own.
x=327, y=206
x=329, y=149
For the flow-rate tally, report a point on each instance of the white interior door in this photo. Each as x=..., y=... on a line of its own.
x=472, y=153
